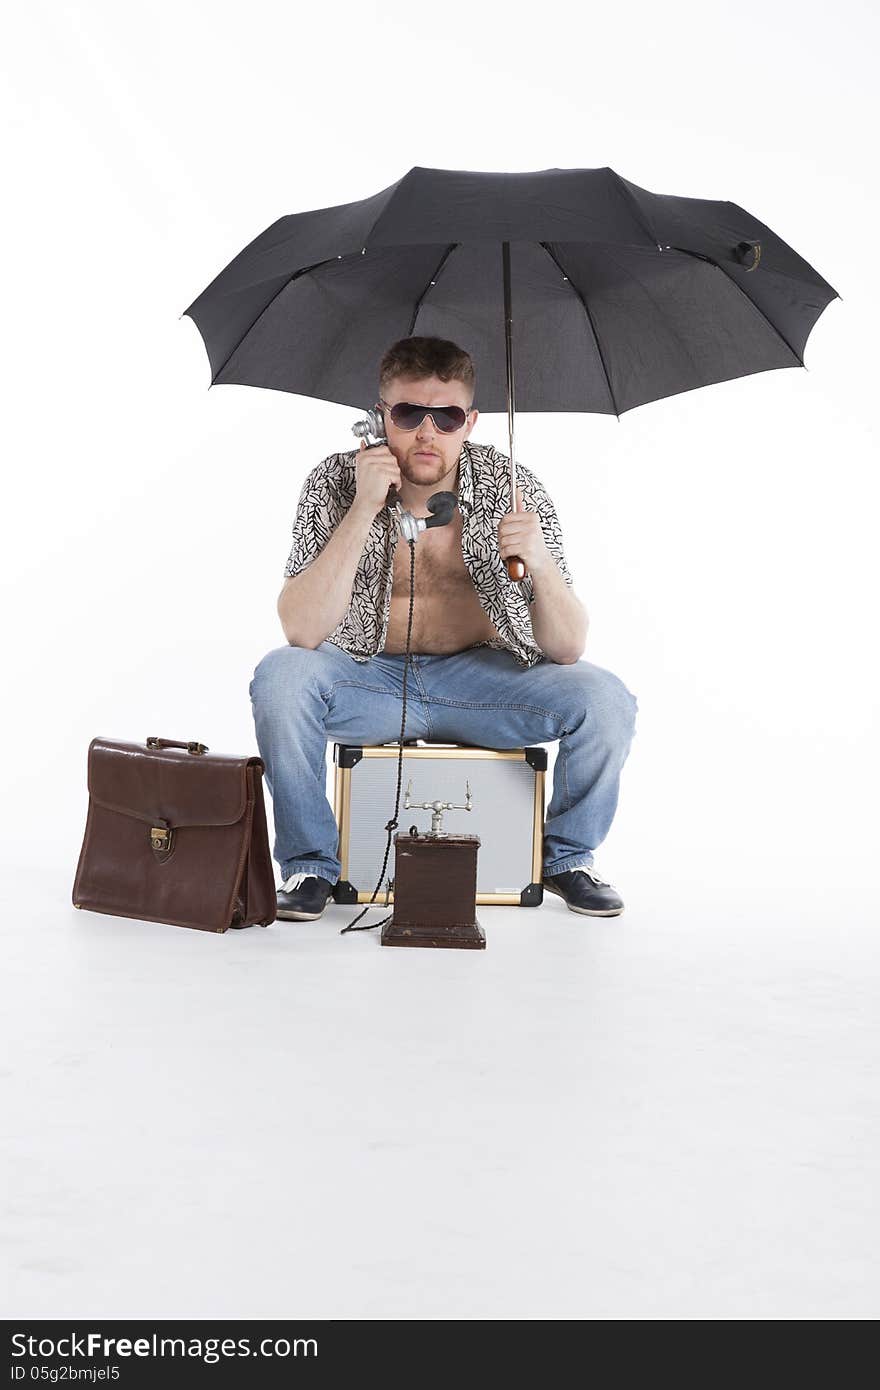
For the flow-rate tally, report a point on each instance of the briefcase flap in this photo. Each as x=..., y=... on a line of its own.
x=168, y=786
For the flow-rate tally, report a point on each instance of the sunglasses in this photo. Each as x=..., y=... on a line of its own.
x=447, y=418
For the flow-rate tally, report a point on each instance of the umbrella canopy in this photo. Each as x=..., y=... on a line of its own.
x=619, y=296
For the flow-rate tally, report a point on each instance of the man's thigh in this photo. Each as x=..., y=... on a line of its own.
x=359, y=702
x=365, y=703
x=484, y=697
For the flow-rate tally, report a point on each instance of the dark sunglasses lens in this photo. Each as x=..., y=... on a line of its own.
x=447, y=418
x=407, y=417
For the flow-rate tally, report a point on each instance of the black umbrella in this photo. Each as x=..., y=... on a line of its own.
x=603, y=296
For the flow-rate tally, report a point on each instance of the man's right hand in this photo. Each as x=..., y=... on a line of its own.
x=377, y=470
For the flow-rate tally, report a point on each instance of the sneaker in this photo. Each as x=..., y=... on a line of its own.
x=584, y=891
x=302, y=897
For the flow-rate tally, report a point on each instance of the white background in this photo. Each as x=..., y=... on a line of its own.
x=724, y=541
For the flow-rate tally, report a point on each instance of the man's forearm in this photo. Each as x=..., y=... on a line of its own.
x=313, y=603
x=559, y=619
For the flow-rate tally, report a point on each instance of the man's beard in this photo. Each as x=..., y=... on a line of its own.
x=416, y=469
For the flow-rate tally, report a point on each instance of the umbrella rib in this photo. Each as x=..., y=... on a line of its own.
x=745, y=296
x=443, y=259
x=640, y=216
x=586, y=308
x=289, y=281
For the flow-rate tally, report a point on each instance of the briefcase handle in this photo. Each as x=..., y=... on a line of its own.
x=195, y=748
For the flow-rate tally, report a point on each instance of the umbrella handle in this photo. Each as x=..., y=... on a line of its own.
x=515, y=567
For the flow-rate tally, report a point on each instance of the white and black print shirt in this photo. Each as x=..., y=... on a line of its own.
x=483, y=498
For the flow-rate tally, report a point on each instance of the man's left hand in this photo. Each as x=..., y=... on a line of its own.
x=519, y=533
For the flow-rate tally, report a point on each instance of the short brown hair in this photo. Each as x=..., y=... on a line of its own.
x=421, y=357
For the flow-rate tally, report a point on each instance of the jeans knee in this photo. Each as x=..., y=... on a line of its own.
x=608, y=705
x=281, y=672
x=619, y=708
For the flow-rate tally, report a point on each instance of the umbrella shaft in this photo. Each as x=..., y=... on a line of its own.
x=508, y=352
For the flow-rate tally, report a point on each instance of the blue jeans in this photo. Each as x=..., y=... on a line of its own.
x=301, y=697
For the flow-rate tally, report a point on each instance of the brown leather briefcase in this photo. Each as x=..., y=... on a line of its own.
x=175, y=834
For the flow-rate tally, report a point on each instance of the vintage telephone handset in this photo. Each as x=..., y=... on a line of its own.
x=441, y=506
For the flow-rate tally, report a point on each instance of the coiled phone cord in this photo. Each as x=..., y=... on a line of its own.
x=391, y=825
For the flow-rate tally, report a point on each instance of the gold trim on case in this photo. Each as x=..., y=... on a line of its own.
x=483, y=899
x=538, y=828
x=342, y=811
x=392, y=750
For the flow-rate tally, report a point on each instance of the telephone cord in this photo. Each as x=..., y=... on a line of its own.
x=391, y=825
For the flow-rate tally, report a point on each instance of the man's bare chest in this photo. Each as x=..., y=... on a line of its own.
x=440, y=569
x=447, y=613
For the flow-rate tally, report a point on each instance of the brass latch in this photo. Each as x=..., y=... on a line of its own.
x=160, y=838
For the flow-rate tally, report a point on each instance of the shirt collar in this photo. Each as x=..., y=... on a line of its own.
x=465, y=480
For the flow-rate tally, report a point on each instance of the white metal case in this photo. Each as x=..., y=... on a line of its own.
x=507, y=790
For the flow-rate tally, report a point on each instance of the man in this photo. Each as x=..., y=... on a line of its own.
x=496, y=663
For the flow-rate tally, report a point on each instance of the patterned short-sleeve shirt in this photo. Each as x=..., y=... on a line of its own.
x=484, y=498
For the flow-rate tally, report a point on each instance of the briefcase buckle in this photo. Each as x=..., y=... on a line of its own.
x=161, y=838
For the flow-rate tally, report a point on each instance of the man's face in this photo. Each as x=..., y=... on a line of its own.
x=425, y=455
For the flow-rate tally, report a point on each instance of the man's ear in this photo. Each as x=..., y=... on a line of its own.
x=473, y=417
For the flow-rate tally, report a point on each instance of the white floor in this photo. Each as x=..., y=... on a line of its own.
x=670, y=1115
